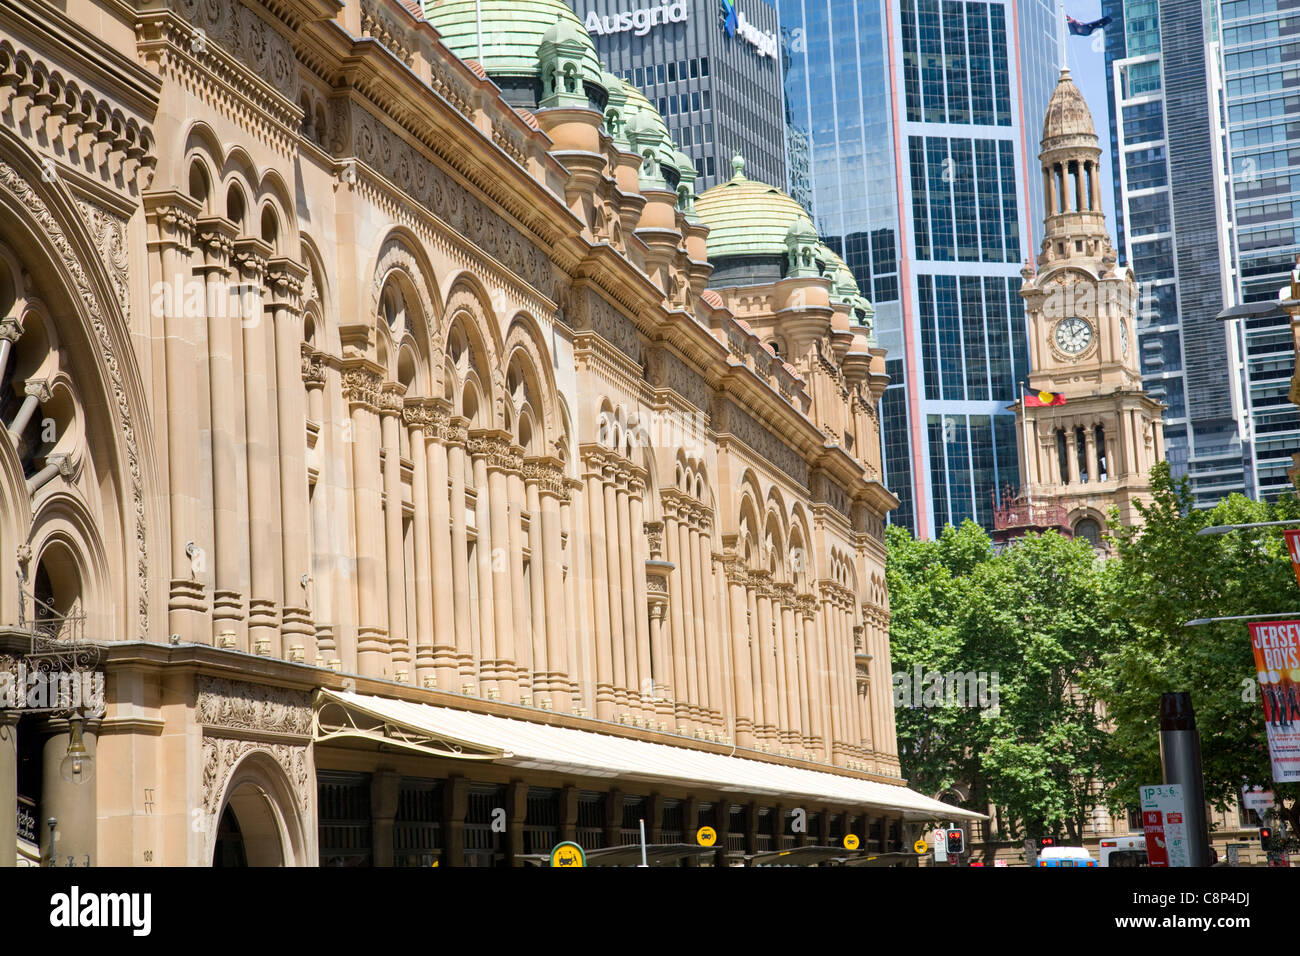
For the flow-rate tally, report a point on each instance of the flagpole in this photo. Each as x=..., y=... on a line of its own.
x=1024, y=414
x=1060, y=34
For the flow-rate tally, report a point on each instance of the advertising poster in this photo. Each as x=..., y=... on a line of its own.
x=1164, y=825
x=1277, y=665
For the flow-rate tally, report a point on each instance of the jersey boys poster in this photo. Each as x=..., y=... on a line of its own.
x=1277, y=665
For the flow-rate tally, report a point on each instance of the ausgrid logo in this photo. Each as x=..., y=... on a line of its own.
x=641, y=21
x=132, y=910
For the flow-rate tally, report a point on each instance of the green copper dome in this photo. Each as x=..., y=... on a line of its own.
x=749, y=218
x=512, y=32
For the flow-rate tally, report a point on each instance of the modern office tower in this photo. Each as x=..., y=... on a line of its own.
x=1261, y=61
x=1174, y=219
x=939, y=235
x=715, y=79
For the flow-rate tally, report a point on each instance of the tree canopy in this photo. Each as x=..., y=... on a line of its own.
x=1083, y=648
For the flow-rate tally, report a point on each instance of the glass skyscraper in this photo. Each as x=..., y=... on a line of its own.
x=920, y=117
x=1261, y=63
x=1174, y=217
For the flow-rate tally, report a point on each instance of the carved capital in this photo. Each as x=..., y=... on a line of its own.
x=361, y=385
x=314, y=367
x=548, y=475
x=10, y=330
x=392, y=399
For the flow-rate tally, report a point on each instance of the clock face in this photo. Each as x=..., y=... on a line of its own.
x=1123, y=338
x=1073, y=336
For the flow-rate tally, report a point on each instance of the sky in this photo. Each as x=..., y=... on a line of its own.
x=1087, y=59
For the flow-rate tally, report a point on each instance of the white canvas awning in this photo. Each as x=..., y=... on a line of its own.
x=445, y=731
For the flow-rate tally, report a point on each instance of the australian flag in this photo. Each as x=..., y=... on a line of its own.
x=729, y=6
x=1079, y=29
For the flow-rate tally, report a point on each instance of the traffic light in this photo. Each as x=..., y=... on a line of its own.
x=1046, y=841
x=1265, y=837
x=956, y=842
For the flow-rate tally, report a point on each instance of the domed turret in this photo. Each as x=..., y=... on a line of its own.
x=1068, y=115
x=506, y=36
x=1071, y=162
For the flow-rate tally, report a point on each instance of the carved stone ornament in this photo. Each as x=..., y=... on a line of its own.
x=18, y=187
x=239, y=705
x=222, y=754
x=361, y=386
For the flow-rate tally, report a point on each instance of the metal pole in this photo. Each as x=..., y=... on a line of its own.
x=1024, y=414
x=1180, y=761
x=643, y=862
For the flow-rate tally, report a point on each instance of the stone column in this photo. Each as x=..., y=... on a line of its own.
x=698, y=597
x=600, y=586
x=262, y=453
x=1072, y=454
x=734, y=570
x=361, y=381
x=676, y=617
x=755, y=655
x=540, y=678
x=1090, y=441
x=715, y=658
x=790, y=666
x=686, y=563
x=552, y=492
x=519, y=662
x=285, y=278
x=217, y=236
x=171, y=217
x=765, y=648
x=321, y=648
x=417, y=418
x=632, y=611
x=486, y=529
x=832, y=679
x=818, y=705
x=391, y=399
x=582, y=673
x=454, y=436
x=385, y=791
x=72, y=805
x=9, y=784
x=614, y=568
x=644, y=686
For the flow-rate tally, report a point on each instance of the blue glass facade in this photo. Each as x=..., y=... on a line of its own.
x=953, y=200
x=1174, y=215
x=1261, y=61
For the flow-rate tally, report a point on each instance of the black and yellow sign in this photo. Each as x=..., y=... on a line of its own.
x=920, y=846
x=706, y=836
x=851, y=842
x=568, y=854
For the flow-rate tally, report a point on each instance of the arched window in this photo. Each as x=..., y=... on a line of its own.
x=1089, y=530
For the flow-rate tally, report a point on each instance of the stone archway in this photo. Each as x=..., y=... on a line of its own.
x=259, y=823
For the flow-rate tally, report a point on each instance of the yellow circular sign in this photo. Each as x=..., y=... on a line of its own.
x=568, y=854
x=851, y=842
x=920, y=846
x=706, y=836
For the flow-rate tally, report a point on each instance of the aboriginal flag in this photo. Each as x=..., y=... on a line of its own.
x=1043, y=399
x=1085, y=29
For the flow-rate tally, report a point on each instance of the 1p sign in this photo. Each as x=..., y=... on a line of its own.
x=1293, y=545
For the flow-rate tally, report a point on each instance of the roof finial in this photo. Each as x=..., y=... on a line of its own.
x=738, y=166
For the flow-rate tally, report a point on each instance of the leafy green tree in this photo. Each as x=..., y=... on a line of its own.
x=1030, y=615
x=1164, y=576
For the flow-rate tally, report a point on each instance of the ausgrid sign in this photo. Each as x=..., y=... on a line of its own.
x=641, y=21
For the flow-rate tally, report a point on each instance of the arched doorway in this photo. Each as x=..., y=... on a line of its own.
x=259, y=824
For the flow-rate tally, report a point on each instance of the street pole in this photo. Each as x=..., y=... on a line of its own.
x=1180, y=761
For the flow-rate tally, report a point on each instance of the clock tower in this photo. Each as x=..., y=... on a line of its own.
x=1092, y=443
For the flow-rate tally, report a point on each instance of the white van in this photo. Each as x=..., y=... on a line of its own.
x=1065, y=856
x=1124, y=851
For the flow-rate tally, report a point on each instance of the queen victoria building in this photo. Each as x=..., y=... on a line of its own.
x=402, y=464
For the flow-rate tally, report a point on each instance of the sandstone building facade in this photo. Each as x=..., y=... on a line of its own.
x=426, y=483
